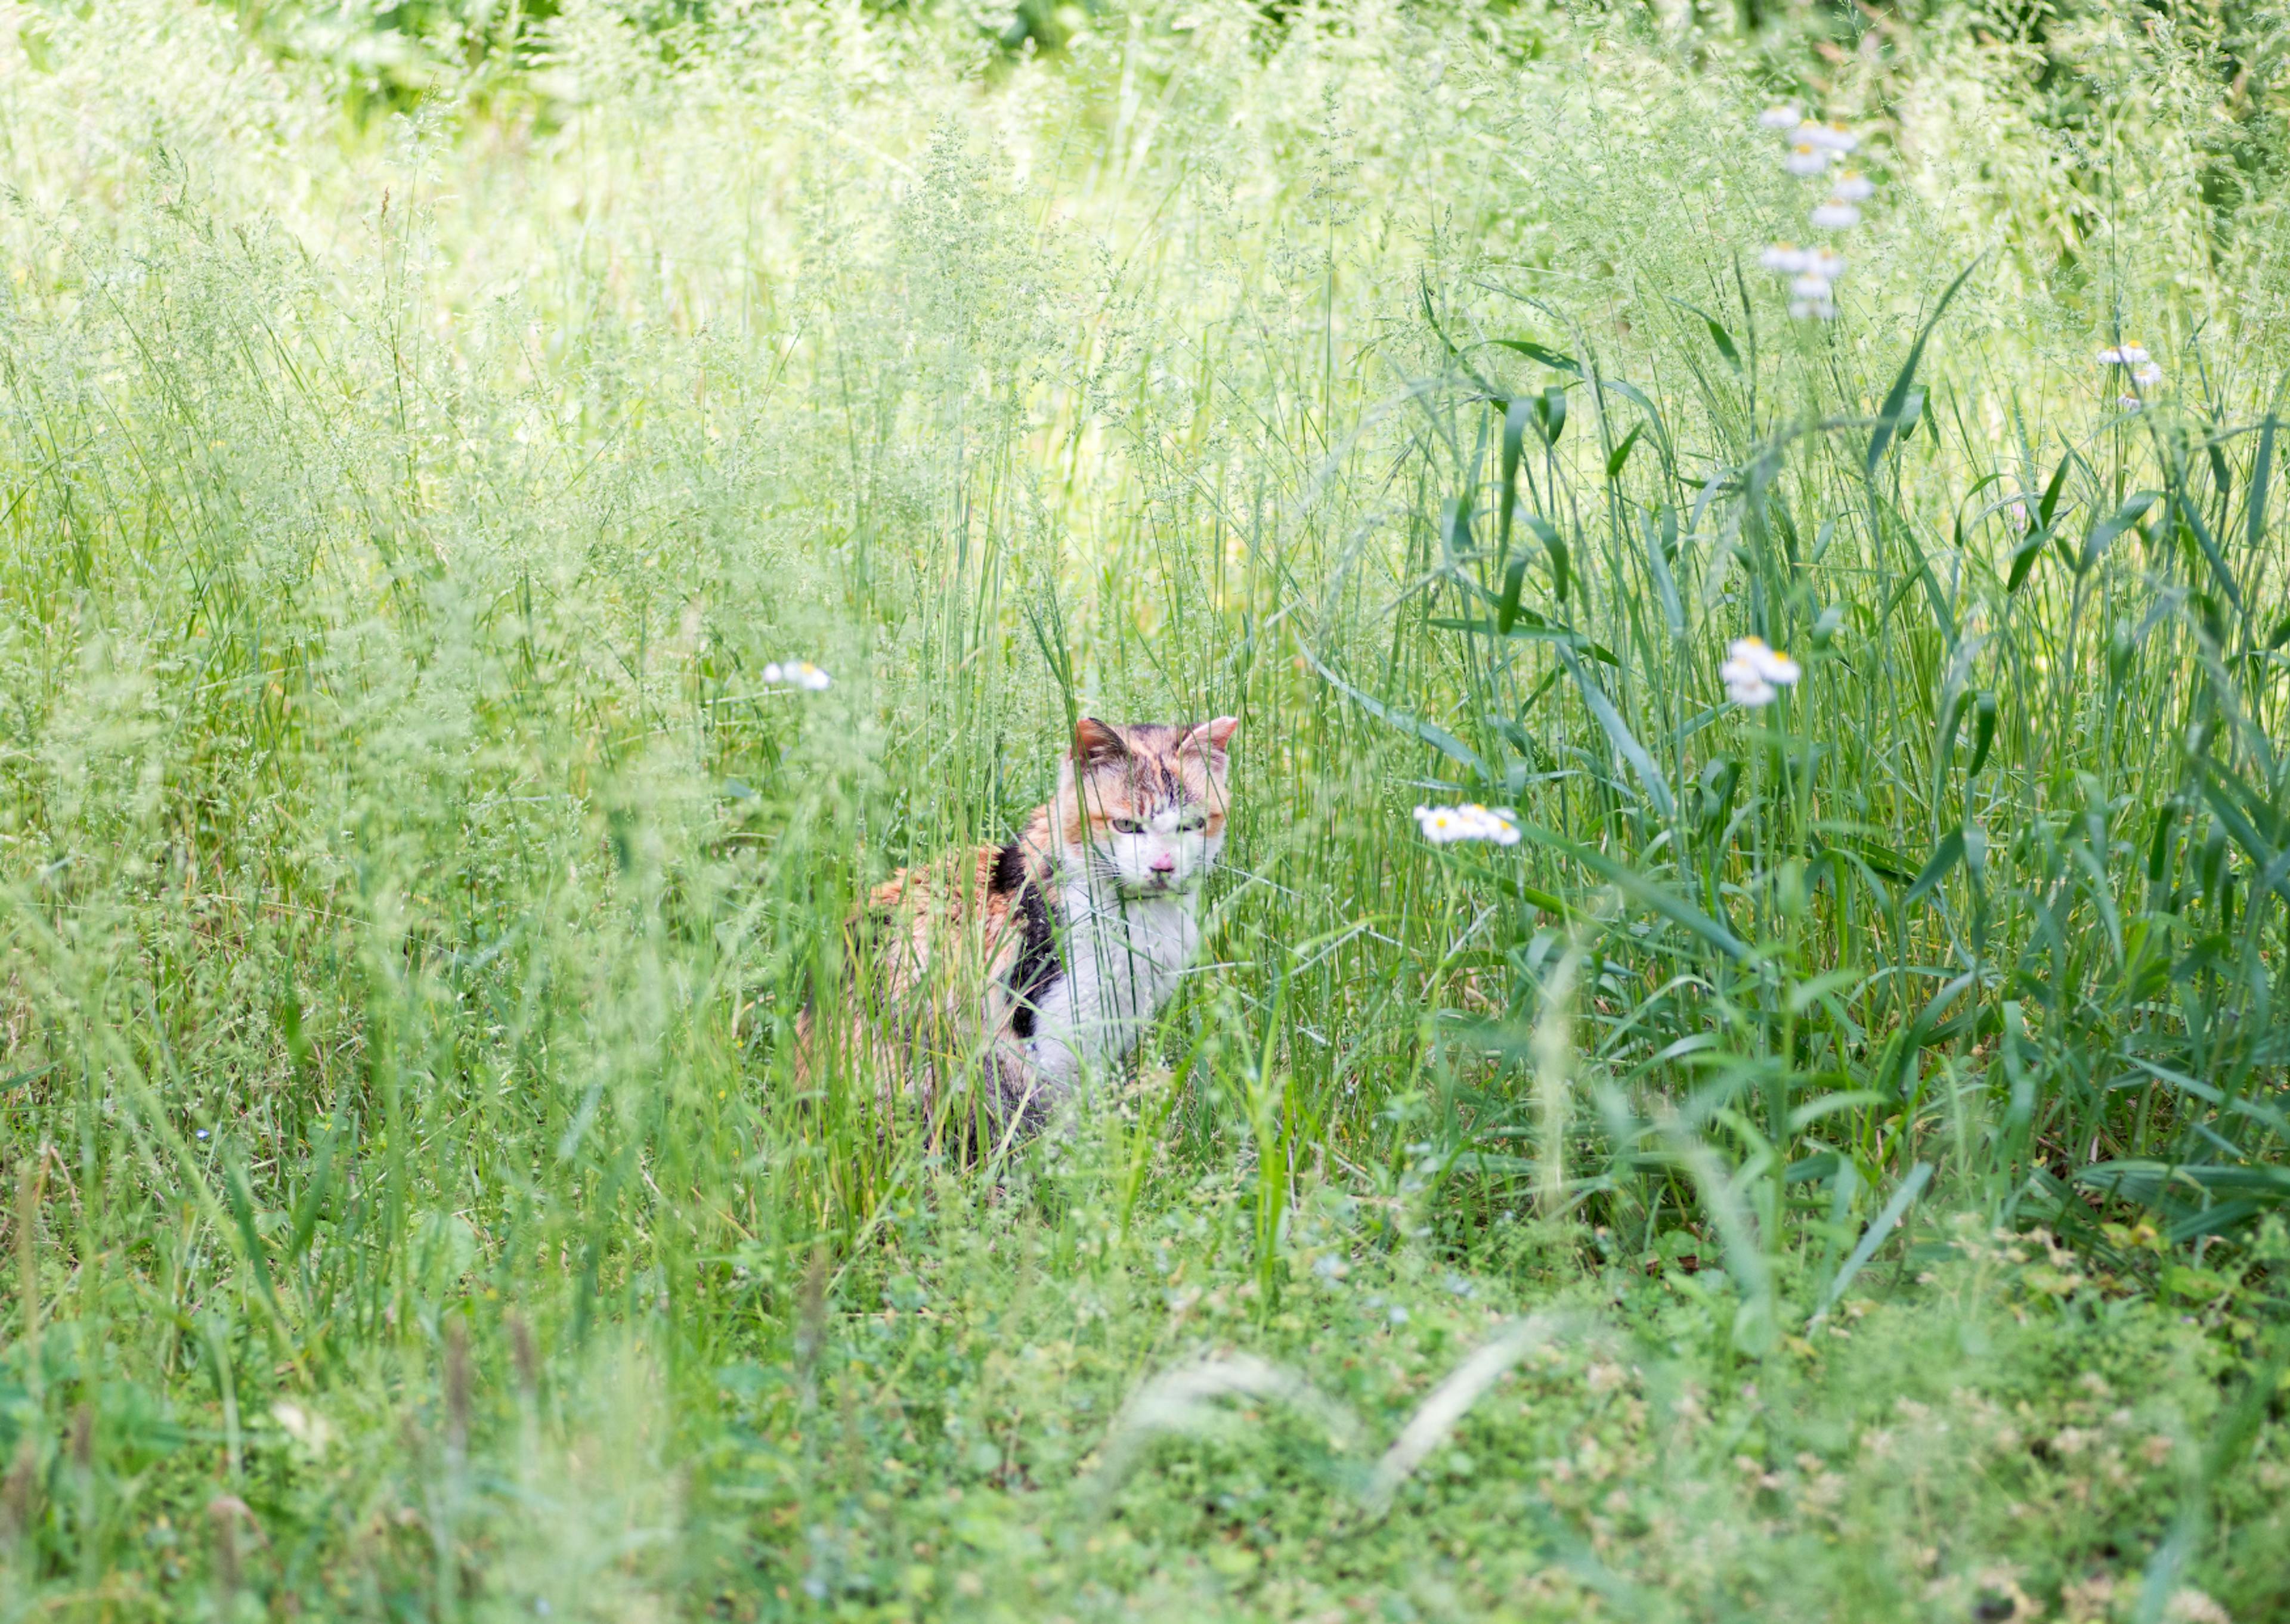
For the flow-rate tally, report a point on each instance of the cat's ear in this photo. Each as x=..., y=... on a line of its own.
x=1096, y=743
x=1210, y=739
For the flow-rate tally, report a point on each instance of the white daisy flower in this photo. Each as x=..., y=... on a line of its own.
x=1785, y=258
x=2123, y=354
x=1854, y=186
x=1446, y=825
x=1835, y=215
x=2148, y=376
x=2129, y=403
x=1783, y=116
x=1805, y=159
x=1439, y=824
x=1754, y=675
x=1771, y=663
x=1811, y=285
x=1812, y=309
x=1499, y=824
x=800, y=673
x=1826, y=263
x=1830, y=137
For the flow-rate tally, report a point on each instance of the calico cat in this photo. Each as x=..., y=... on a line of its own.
x=1035, y=965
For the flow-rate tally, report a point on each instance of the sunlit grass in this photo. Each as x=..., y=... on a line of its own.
x=417, y=833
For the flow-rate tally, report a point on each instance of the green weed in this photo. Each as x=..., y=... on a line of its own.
x=1831, y=1165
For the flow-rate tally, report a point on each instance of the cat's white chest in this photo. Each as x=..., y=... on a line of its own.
x=1123, y=959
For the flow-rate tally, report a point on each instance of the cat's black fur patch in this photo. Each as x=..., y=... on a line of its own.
x=1009, y=869
x=1037, y=965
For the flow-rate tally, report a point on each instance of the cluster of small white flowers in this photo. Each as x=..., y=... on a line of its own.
x=1754, y=674
x=1813, y=146
x=1446, y=825
x=2145, y=372
x=801, y=673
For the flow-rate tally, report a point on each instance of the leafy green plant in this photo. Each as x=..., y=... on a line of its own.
x=415, y=851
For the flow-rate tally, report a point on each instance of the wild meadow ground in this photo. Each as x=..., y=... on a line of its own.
x=1818, y=1151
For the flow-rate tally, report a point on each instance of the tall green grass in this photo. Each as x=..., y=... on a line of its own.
x=1995, y=886
x=411, y=878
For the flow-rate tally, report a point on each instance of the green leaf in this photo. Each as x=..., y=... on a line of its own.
x=1665, y=586
x=1894, y=1211
x=2260, y=472
x=1456, y=530
x=2158, y=848
x=2051, y=502
x=2104, y=534
x=2023, y=558
x=1431, y=732
x=1507, y=610
x=1983, y=731
x=1513, y=442
x=1530, y=628
x=2233, y=803
x=1554, y=545
x=1912, y=411
x=1657, y=787
x=1620, y=454
x=1556, y=360
x=1896, y=400
x=2216, y=559
x=1635, y=885
x=1717, y=334
x=2221, y=474
x=1945, y=856
x=1880, y=859
x=1432, y=319
x=240, y=1194
x=1551, y=414
x=318, y=1185
x=1636, y=396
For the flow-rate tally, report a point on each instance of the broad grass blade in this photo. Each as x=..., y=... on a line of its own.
x=1657, y=787
x=1635, y=885
x=1896, y=400
x=1945, y=856
x=1556, y=360
x=1620, y=454
x=1894, y=1211
x=1665, y=585
x=1431, y=732
x=2261, y=471
x=1718, y=336
x=2211, y=554
x=1514, y=437
x=2104, y=534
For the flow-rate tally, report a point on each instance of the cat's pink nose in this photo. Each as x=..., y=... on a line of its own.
x=1165, y=863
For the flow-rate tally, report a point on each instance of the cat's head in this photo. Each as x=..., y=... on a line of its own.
x=1143, y=806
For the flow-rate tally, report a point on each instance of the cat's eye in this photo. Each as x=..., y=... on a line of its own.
x=1127, y=826
x=1192, y=823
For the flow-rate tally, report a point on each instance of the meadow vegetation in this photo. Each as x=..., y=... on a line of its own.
x=1834, y=1164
